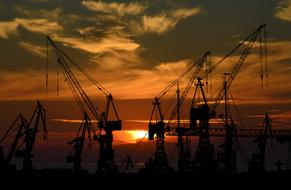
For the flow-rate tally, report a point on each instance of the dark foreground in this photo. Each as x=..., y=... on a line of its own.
x=43, y=179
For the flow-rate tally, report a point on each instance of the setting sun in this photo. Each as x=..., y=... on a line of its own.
x=138, y=134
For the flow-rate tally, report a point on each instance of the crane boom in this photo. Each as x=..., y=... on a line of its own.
x=72, y=80
x=250, y=42
x=20, y=132
x=214, y=66
x=40, y=114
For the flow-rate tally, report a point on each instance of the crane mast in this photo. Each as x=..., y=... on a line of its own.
x=204, y=158
x=157, y=127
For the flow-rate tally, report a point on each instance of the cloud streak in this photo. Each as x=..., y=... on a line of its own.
x=39, y=13
x=145, y=23
x=115, y=8
x=42, y=26
x=7, y=29
x=166, y=21
x=34, y=49
x=157, y=24
x=283, y=10
x=98, y=46
x=183, y=13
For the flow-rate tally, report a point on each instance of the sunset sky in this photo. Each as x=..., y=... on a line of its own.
x=135, y=48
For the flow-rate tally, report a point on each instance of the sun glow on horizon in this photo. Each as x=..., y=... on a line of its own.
x=138, y=134
x=130, y=136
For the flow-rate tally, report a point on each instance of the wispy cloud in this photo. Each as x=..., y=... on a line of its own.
x=164, y=21
x=33, y=48
x=42, y=26
x=172, y=66
x=88, y=30
x=144, y=23
x=157, y=24
x=183, y=13
x=115, y=8
x=283, y=10
x=117, y=60
x=39, y=13
x=7, y=29
x=97, y=46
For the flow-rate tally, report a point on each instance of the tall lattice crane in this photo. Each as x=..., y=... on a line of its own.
x=157, y=125
x=106, y=155
x=201, y=116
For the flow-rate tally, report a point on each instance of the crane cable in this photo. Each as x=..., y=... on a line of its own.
x=165, y=90
x=10, y=130
x=75, y=94
x=80, y=68
x=237, y=111
x=266, y=61
x=170, y=105
x=211, y=68
x=91, y=79
x=75, y=84
x=261, y=62
x=47, y=63
x=237, y=67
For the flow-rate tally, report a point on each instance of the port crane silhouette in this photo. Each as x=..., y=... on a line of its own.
x=200, y=116
x=106, y=162
x=201, y=113
x=157, y=125
x=25, y=137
